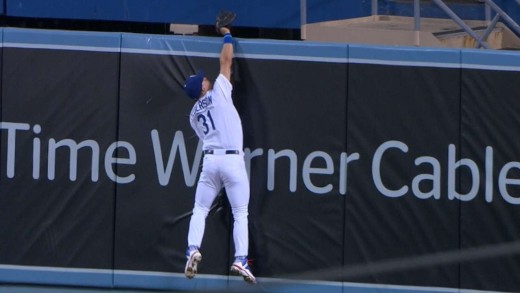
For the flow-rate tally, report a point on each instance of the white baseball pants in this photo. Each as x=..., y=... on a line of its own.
x=219, y=171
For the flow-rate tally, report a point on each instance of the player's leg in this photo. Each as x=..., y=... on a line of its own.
x=207, y=189
x=236, y=183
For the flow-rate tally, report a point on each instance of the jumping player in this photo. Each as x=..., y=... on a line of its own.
x=217, y=123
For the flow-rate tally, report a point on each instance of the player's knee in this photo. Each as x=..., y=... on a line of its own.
x=240, y=212
x=200, y=209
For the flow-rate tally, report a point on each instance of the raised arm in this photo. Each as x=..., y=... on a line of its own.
x=226, y=54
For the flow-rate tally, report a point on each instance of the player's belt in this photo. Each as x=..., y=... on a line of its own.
x=221, y=152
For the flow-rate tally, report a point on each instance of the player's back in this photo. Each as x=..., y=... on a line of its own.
x=215, y=119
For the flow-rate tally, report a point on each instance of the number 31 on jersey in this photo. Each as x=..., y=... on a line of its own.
x=207, y=122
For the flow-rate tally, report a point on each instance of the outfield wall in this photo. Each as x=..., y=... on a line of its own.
x=372, y=168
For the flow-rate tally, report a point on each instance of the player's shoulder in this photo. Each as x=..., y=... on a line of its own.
x=222, y=80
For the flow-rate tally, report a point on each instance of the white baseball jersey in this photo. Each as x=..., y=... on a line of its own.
x=215, y=119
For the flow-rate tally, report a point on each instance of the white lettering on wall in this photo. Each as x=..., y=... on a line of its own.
x=317, y=166
x=164, y=173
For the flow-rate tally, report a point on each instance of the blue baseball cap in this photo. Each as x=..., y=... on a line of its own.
x=193, y=85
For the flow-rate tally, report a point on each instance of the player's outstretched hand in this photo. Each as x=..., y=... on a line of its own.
x=225, y=30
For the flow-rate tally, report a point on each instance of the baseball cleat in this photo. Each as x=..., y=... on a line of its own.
x=240, y=268
x=194, y=258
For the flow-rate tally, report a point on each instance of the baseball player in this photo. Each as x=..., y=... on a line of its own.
x=217, y=123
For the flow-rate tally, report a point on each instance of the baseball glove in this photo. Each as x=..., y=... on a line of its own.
x=224, y=19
